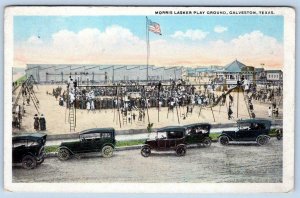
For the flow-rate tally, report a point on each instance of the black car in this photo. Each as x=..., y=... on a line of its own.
x=91, y=140
x=248, y=130
x=167, y=138
x=28, y=149
x=198, y=134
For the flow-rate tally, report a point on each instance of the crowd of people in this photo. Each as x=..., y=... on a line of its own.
x=128, y=96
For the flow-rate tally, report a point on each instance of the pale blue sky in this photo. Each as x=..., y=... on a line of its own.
x=45, y=26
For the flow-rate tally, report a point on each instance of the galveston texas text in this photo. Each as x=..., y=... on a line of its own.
x=196, y=12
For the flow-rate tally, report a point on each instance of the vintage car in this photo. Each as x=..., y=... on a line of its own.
x=91, y=140
x=168, y=138
x=198, y=134
x=28, y=149
x=248, y=130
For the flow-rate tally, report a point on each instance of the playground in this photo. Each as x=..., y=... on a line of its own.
x=58, y=117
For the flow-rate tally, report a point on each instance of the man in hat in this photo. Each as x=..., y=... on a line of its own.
x=42, y=121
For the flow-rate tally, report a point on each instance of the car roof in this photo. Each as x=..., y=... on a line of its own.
x=171, y=128
x=97, y=130
x=32, y=136
x=256, y=120
x=197, y=124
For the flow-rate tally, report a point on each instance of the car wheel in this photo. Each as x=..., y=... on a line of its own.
x=107, y=151
x=207, y=142
x=262, y=140
x=146, y=151
x=29, y=162
x=181, y=151
x=63, y=154
x=278, y=137
x=41, y=161
x=224, y=140
x=279, y=134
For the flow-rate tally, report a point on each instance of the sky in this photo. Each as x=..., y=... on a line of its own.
x=185, y=40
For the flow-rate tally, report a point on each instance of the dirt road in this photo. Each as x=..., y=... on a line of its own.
x=233, y=163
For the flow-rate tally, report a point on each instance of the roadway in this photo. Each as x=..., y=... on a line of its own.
x=233, y=163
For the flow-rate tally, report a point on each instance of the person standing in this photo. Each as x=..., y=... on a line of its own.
x=230, y=112
x=36, y=123
x=270, y=112
x=42, y=121
x=231, y=100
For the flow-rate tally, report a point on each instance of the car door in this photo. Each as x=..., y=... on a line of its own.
x=85, y=143
x=19, y=149
x=171, y=140
x=162, y=141
x=241, y=135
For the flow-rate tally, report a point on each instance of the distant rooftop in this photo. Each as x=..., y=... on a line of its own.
x=235, y=66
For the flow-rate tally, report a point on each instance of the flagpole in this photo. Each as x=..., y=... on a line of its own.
x=148, y=47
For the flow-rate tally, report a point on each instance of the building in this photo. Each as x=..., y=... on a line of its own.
x=234, y=71
x=274, y=75
x=59, y=73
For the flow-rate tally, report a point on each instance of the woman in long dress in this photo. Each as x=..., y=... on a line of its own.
x=36, y=123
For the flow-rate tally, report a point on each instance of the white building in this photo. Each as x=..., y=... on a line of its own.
x=274, y=75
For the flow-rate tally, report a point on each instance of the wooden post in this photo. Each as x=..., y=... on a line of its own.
x=213, y=114
x=237, y=103
x=119, y=108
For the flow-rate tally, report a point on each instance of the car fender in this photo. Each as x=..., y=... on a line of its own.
x=263, y=135
x=179, y=145
x=225, y=136
x=146, y=145
x=64, y=147
x=108, y=144
x=29, y=153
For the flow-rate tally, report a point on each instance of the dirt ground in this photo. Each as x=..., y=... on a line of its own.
x=236, y=163
x=57, y=116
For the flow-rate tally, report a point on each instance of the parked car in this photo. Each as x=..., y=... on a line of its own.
x=91, y=140
x=168, y=138
x=198, y=134
x=248, y=130
x=28, y=149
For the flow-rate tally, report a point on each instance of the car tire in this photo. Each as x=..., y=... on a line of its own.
x=279, y=134
x=29, y=162
x=278, y=137
x=41, y=161
x=207, y=142
x=224, y=140
x=262, y=140
x=181, y=150
x=63, y=154
x=107, y=151
x=145, y=151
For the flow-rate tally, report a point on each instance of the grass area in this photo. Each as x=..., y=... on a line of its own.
x=214, y=136
x=129, y=142
x=20, y=80
x=49, y=149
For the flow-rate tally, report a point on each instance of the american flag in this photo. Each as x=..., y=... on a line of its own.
x=154, y=27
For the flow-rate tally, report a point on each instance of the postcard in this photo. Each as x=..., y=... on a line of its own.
x=129, y=99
